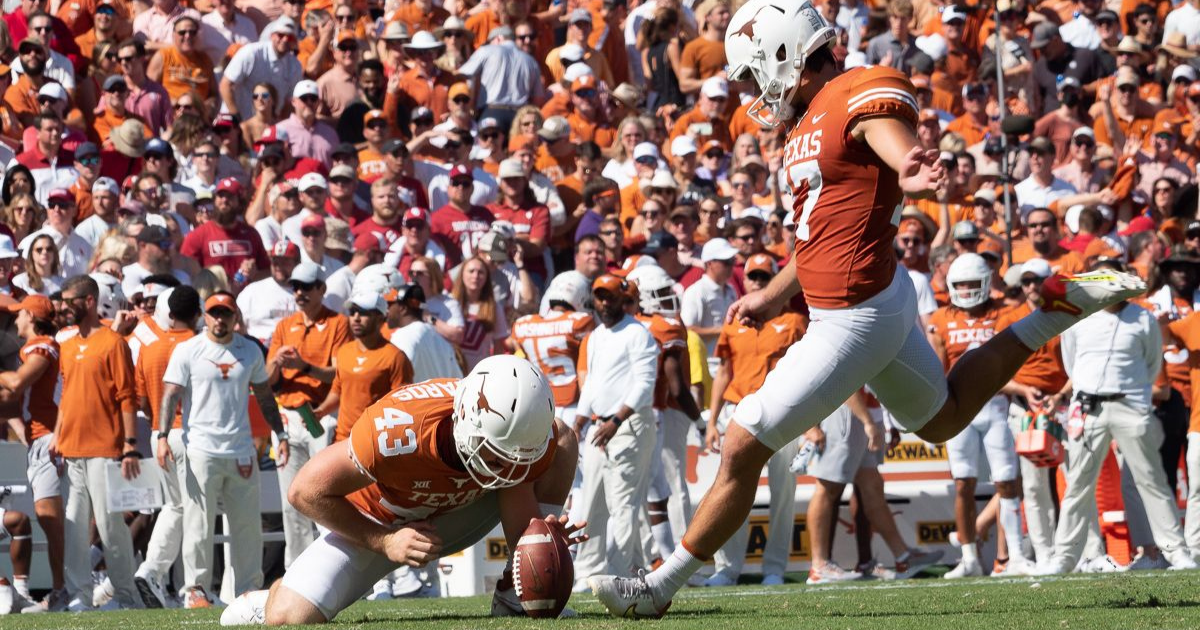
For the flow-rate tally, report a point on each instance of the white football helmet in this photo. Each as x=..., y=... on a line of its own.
x=571, y=287
x=656, y=292
x=771, y=40
x=111, y=298
x=969, y=268
x=503, y=420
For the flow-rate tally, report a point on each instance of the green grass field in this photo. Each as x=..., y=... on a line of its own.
x=1151, y=600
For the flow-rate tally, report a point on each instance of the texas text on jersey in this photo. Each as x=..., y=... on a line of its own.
x=405, y=443
x=846, y=198
x=960, y=331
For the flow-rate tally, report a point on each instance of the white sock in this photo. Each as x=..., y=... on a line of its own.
x=1010, y=520
x=663, y=539
x=1039, y=327
x=21, y=586
x=666, y=580
x=970, y=554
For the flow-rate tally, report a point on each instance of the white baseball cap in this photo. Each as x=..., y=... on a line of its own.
x=646, y=149
x=307, y=272
x=718, y=249
x=53, y=90
x=1183, y=72
x=576, y=70
x=715, y=87
x=6, y=248
x=368, y=301
x=683, y=145
x=307, y=87
x=312, y=179
x=511, y=168
x=1037, y=267
x=106, y=184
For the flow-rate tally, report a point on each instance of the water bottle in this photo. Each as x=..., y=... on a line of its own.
x=239, y=277
x=310, y=420
x=804, y=458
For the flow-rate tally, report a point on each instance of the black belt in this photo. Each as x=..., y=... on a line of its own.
x=1091, y=403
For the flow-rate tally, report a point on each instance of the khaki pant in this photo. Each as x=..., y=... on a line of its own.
x=1138, y=435
x=163, y=548
x=87, y=493
x=298, y=530
x=211, y=480
x=615, y=479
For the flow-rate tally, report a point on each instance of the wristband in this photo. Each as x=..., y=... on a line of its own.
x=615, y=420
x=131, y=441
x=131, y=454
x=162, y=436
x=282, y=437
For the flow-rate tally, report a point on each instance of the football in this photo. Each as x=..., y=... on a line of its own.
x=543, y=571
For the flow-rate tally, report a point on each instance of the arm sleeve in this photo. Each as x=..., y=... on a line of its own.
x=139, y=377
x=473, y=63
x=643, y=366
x=238, y=65
x=881, y=92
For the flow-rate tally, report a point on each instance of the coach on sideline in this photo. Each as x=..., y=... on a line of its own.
x=621, y=360
x=97, y=419
x=213, y=375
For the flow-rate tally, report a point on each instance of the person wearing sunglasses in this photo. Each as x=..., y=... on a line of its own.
x=1055, y=58
x=182, y=67
x=708, y=120
x=307, y=135
x=588, y=119
x=338, y=86
x=271, y=60
x=154, y=249
x=1161, y=162
x=147, y=99
x=425, y=84
x=25, y=90
x=116, y=91
x=1042, y=241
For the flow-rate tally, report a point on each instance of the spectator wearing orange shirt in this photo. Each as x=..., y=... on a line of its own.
x=114, y=113
x=425, y=84
x=22, y=95
x=299, y=364
x=367, y=368
x=707, y=121
x=556, y=156
x=420, y=15
x=183, y=67
x=376, y=131
x=587, y=118
x=576, y=49
x=97, y=423
x=704, y=56
x=972, y=125
x=1123, y=115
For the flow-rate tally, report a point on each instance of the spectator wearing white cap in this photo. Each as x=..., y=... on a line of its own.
x=265, y=302
x=579, y=27
x=1080, y=170
x=272, y=60
x=588, y=119
x=106, y=196
x=153, y=257
x=314, y=190
x=646, y=162
x=706, y=302
x=280, y=203
x=706, y=120
x=306, y=135
x=8, y=259
x=692, y=187
x=211, y=377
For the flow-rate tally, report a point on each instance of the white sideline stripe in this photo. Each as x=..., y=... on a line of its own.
x=539, y=604
x=535, y=539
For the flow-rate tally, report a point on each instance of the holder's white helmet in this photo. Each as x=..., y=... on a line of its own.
x=969, y=268
x=111, y=298
x=656, y=292
x=771, y=40
x=503, y=420
x=571, y=287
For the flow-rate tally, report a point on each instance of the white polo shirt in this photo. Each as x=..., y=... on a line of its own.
x=431, y=355
x=1031, y=194
x=216, y=380
x=705, y=304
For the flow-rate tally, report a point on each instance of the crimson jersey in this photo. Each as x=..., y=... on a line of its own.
x=403, y=442
x=960, y=332
x=669, y=333
x=847, y=200
x=552, y=343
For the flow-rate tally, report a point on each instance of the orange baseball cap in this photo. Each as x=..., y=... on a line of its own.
x=220, y=300
x=927, y=115
x=458, y=89
x=609, y=282
x=374, y=114
x=762, y=262
x=39, y=307
x=1165, y=126
x=585, y=82
x=523, y=141
x=911, y=225
x=346, y=36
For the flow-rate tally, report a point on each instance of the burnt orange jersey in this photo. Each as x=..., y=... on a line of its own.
x=41, y=399
x=1179, y=361
x=152, y=365
x=97, y=386
x=552, y=342
x=316, y=344
x=847, y=200
x=364, y=376
x=405, y=443
x=1187, y=333
x=1044, y=368
x=752, y=352
x=670, y=334
x=960, y=331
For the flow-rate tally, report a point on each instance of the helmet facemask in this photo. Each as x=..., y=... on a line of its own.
x=489, y=466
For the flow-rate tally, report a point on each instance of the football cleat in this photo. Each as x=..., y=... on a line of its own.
x=1085, y=293
x=630, y=598
x=872, y=570
x=772, y=579
x=1013, y=567
x=1100, y=564
x=831, y=572
x=55, y=601
x=150, y=589
x=103, y=591
x=915, y=561
x=194, y=597
x=720, y=579
x=247, y=610
x=1180, y=560
x=964, y=569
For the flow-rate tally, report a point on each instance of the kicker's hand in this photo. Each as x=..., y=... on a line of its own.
x=415, y=544
x=748, y=310
x=922, y=174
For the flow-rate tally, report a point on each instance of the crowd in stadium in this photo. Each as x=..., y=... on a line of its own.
x=359, y=194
